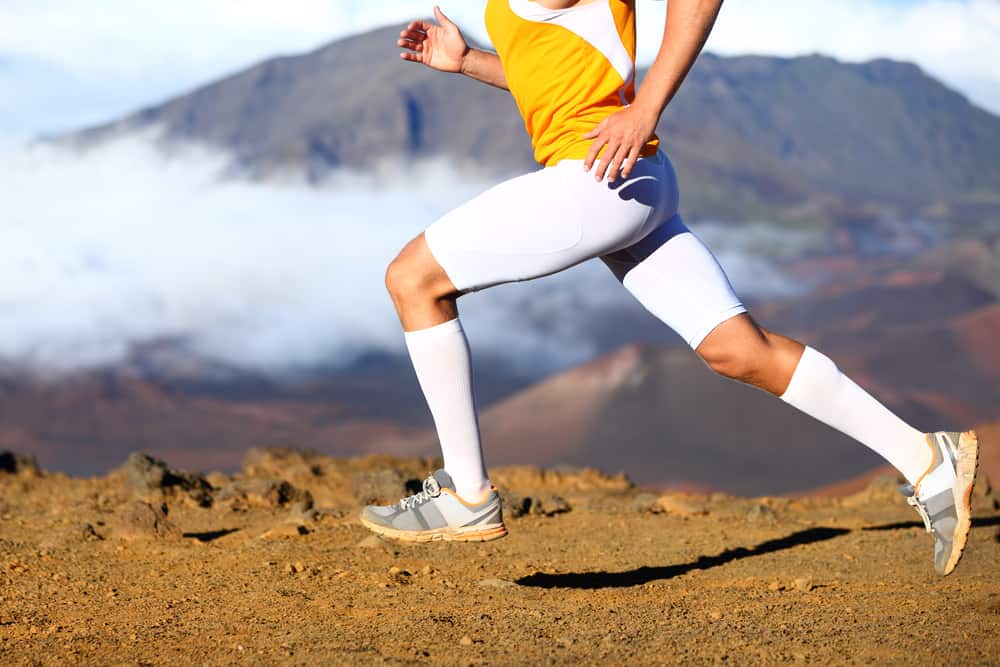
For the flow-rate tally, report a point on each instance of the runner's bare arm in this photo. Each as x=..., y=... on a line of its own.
x=442, y=47
x=623, y=134
x=689, y=23
x=484, y=66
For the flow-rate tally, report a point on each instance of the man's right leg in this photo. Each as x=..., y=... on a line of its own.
x=424, y=297
x=457, y=503
x=523, y=228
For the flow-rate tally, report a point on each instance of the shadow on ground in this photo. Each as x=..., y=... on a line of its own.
x=209, y=535
x=645, y=574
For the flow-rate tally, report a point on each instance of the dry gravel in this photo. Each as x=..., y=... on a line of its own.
x=621, y=578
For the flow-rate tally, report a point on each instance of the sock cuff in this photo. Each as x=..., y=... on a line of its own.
x=803, y=384
x=451, y=326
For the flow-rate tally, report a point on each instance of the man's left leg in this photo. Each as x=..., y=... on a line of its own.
x=679, y=280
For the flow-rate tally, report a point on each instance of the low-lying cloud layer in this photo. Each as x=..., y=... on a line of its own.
x=122, y=245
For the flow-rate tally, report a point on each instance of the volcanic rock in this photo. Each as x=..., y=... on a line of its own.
x=516, y=505
x=883, y=489
x=154, y=480
x=18, y=464
x=381, y=487
x=142, y=520
x=263, y=493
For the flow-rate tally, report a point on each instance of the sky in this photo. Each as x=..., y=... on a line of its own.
x=64, y=65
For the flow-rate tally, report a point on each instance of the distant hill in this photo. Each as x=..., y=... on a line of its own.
x=799, y=139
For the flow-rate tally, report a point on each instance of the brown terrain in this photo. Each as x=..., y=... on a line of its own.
x=152, y=565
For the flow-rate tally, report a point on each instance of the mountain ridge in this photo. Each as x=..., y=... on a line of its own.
x=752, y=136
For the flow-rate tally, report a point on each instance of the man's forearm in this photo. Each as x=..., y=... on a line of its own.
x=484, y=66
x=689, y=23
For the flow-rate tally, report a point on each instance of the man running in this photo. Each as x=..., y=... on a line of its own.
x=607, y=190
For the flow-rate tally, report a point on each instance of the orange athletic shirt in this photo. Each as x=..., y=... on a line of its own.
x=567, y=69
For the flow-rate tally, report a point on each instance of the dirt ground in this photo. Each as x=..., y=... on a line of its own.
x=246, y=570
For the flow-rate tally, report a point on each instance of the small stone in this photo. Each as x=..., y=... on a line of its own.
x=304, y=509
x=399, y=575
x=299, y=567
x=804, y=584
x=645, y=502
x=715, y=615
x=550, y=505
x=152, y=480
x=497, y=583
x=672, y=504
x=141, y=520
x=465, y=641
x=291, y=529
x=19, y=464
x=369, y=542
x=426, y=570
x=774, y=586
x=218, y=479
x=245, y=494
x=761, y=513
x=88, y=534
x=881, y=490
x=289, y=568
x=378, y=487
x=543, y=505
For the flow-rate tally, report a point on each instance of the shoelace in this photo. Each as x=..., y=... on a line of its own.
x=431, y=490
x=914, y=502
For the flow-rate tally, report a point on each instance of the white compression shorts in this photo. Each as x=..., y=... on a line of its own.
x=549, y=220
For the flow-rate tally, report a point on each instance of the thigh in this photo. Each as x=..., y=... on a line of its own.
x=678, y=279
x=547, y=221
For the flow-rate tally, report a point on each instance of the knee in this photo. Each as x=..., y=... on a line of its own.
x=745, y=361
x=406, y=280
x=401, y=279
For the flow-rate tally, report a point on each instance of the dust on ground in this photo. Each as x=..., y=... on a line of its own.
x=151, y=565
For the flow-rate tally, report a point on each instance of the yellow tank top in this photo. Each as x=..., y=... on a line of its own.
x=566, y=68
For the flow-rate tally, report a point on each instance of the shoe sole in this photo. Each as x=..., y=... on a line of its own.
x=966, y=465
x=467, y=534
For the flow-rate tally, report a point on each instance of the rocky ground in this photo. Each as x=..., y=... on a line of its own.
x=151, y=565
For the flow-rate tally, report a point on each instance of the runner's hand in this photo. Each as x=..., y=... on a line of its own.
x=622, y=135
x=440, y=47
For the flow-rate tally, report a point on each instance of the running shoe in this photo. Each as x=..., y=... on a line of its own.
x=943, y=495
x=438, y=513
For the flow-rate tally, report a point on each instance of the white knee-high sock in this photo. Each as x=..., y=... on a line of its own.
x=440, y=356
x=820, y=390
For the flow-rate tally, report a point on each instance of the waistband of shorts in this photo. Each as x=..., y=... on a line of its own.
x=659, y=157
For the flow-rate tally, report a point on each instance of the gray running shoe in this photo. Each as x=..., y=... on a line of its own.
x=437, y=513
x=943, y=495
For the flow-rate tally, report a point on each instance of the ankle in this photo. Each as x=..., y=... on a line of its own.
x=473, y=493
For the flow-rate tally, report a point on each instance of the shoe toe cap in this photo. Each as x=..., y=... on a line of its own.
x=378, y=514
